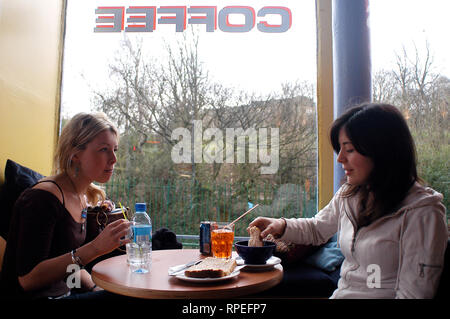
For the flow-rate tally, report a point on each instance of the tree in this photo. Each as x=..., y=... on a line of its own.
x=149, y=99
x=423, y=96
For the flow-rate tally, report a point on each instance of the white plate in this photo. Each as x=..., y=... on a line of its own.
x=235, y=273
x=270, y=263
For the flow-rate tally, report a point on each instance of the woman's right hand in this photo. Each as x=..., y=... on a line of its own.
x=274, y=226
x=114, y=235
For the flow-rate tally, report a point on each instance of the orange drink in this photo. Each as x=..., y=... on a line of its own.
x=222, y=241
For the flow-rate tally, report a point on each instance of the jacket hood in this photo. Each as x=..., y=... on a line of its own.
x=419, y=196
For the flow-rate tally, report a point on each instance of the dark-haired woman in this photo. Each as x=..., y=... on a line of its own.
x=391, y=229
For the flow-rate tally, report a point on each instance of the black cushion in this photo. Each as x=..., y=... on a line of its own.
x=164, y=238
x=303, y=280
x=17, y=179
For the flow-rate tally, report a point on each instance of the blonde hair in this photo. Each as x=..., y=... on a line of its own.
x=75, y=135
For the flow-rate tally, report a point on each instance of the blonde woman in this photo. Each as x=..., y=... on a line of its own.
x=48, y=228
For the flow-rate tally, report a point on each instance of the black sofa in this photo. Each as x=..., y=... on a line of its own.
x=305, y=275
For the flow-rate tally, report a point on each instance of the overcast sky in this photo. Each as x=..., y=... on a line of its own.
x=255, y=61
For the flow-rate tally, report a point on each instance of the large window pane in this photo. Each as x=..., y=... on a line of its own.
x=411, y=69
x=211, y=122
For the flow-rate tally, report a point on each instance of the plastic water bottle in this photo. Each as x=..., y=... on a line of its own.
x=139, y=251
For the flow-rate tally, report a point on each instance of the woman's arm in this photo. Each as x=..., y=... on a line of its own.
x=423, y=244
x=315, y=230
x=54, y=269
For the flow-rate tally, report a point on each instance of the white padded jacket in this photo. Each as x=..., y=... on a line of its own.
x=400, y=255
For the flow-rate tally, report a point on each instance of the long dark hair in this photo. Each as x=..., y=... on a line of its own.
x=379, y=132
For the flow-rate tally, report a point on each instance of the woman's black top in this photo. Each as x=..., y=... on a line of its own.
x=41, y=228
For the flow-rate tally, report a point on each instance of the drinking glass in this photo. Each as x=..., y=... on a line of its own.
x=222, y=238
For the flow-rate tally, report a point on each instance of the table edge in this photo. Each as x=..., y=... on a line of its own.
x=146, y=293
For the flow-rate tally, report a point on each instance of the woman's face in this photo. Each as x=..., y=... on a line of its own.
x=356, y=166
x=96, y=162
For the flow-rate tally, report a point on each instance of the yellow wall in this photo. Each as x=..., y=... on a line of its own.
x=30, y=60
x=324, y=99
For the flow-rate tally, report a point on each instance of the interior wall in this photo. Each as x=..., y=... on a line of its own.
x=324, y=100
x=31, y=35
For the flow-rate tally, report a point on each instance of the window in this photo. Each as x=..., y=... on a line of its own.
x=216, y=105
x=411, y=70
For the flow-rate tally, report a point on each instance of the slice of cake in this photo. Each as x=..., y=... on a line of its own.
x=211, y=267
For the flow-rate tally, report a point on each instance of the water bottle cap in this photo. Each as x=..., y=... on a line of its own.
x=139, y=207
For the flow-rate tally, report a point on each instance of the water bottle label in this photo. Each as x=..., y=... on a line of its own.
x=142, y=233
